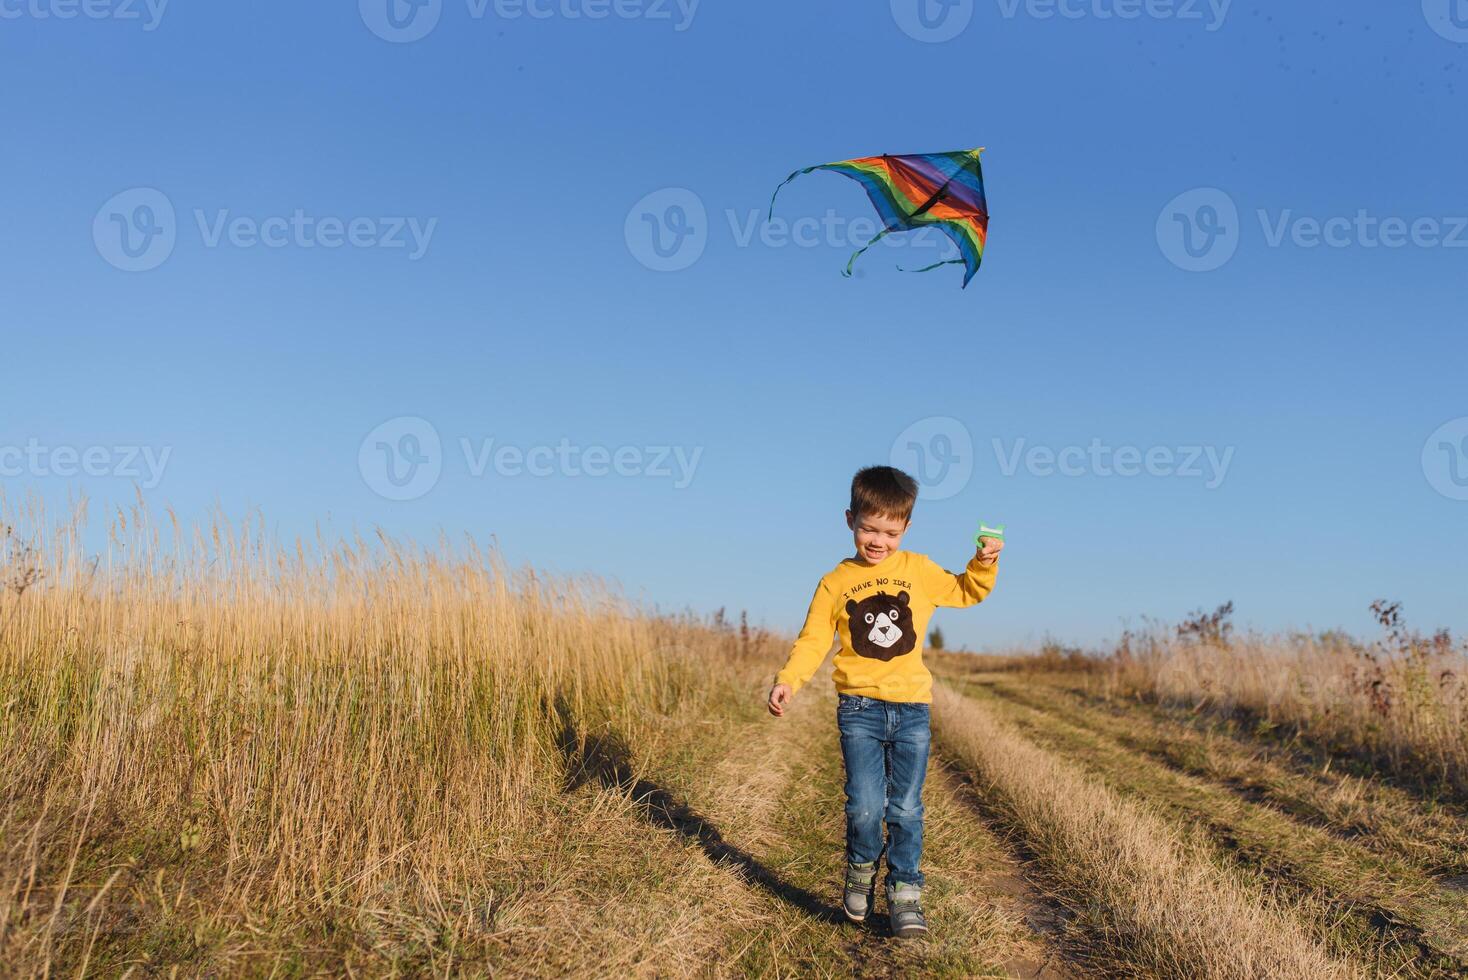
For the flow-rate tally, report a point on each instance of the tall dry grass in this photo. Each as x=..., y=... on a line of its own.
x=330, y=738
x=1140, y=890
x=1399, y=703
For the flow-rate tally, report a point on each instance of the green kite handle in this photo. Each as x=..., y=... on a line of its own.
x=995, y=531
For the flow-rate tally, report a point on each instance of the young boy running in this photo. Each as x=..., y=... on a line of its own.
x=879, y=602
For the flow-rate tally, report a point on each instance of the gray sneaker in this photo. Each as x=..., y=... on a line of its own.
x=905, y=906
x=861, y=889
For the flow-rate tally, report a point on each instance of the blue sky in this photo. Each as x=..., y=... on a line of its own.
x=1228, y=252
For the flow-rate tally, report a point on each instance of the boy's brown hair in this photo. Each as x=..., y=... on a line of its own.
x=884, y=491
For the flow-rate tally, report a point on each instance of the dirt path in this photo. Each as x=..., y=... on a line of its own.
x=1011, y=881
x=1376, y=897
x=1387, y=819
x=731, y=828
x=760, y=802
x=984, y=912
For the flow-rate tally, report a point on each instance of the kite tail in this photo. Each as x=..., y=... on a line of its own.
x=771, y=215
x=930, y=268
x=876, y=238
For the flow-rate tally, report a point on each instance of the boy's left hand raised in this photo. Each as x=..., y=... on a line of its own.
x=989, y=553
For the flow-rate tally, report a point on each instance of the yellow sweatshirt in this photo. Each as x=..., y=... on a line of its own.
x=881, y=612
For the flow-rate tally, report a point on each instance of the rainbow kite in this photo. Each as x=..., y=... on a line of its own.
x=944, y=190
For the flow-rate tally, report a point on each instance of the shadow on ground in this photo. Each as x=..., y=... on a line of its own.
x=605, y=759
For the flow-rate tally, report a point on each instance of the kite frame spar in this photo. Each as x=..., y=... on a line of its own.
x=940, y=190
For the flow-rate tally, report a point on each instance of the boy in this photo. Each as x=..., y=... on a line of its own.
x=879, y=602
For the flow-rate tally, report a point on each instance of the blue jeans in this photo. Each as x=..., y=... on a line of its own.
x=885, y=747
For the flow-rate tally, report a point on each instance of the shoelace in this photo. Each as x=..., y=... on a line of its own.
x=906, y=905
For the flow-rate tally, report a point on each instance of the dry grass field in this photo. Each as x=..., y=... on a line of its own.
x=221, y=756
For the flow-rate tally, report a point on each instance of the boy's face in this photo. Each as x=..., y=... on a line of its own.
x=876, y=536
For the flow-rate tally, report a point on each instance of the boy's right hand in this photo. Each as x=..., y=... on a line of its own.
x=780, y=696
